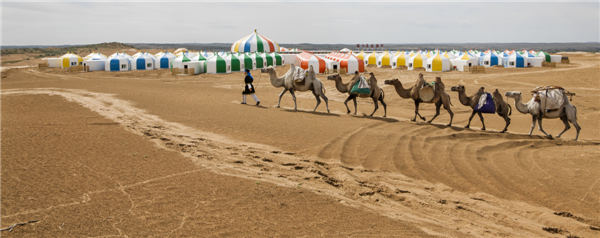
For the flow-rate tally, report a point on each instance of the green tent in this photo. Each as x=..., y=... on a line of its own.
x=277, y=58
x=236, y=65
x=260, y=61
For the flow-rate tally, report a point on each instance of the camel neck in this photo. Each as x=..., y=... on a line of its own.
x=520, y=106
x=402, y=92
x=343, y=88
x=275, y=81
x=463, y=98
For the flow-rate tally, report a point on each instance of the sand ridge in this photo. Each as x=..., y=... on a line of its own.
x=435, y=207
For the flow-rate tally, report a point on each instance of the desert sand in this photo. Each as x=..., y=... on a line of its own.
x=155, y=154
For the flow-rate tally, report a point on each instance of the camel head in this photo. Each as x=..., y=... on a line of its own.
x=481, y=90
x=496, y=93
x=457, y=88
x=334, y=77
x=438, y=79
x=267, y=69
x=512, y=94
x=420, y=75
x=392, y=81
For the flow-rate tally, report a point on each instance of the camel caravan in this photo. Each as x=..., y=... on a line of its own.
x=548, y=102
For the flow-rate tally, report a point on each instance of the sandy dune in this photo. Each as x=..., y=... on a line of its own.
x=431, y=179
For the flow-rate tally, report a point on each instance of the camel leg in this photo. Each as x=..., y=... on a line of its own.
x=294, y=97
x=318, y=101
x=572, y=116
x=437, y=111
x=565, y=121
x=376, y=106
x=355, y=106
x=533, y=120
x=507, y=120
x=281, y=95
x=447, y=107
x=346, y=103
x=384, y=106
x=470, y=118
x=542, y=129
x=417, y=102
x=326, y=101
x=481, y=118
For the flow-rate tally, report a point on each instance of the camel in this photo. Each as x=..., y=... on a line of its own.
x=440, y=96
x=567, y=112
x=287, y=81
x=376, y=92
x=503, y=109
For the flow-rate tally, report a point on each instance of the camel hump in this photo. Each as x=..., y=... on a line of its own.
x=550, y=87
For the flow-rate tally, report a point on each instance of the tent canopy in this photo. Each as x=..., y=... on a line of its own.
x=255, y=43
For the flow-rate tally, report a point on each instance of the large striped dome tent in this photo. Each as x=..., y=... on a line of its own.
x=70, y=59
x=255, y=43
x=164, y=60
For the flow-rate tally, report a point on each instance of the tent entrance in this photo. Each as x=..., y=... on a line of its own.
x=114, y=65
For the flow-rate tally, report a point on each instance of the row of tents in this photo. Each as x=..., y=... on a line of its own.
x=440, y=61
x=200, y=62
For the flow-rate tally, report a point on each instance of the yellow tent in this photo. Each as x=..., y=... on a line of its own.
x=70, y=59
x=361, y=55
x=400, y=59
x=372, y=59
x=384, y=60
x=416, y=62
x=438, y=63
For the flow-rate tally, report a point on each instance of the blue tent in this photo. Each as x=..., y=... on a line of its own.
x=140, y=64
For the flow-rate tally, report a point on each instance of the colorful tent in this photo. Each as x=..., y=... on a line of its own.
x=218, y=64
x=400, y=59
x=269, y=61
x=95, y=62
x=533, y=60
x=180, y=51
x=384, y=59
x=248, y=62
x=545, y=55
x=255, y=43
x=348, y=62
x=259, y=60
x=438, y=63
x=118, y=62
x=489, y=59
x=514, y=60
x=235, y=62
x=463, y=61
x=180, y=61
x=417, y=61
x=70, y=59
x=306, y=59
x=144, y=61
x=277, y=59
x=371, y=59
x=164, y=60
x=361, y=56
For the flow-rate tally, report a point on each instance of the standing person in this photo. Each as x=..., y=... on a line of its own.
x=249, y=88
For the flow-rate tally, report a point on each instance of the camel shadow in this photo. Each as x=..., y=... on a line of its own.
x=383, y=119
x=311, y=112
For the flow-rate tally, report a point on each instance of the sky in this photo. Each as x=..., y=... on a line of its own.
x=152, y=21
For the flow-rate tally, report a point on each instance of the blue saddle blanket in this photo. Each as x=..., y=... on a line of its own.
x=486, y=104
